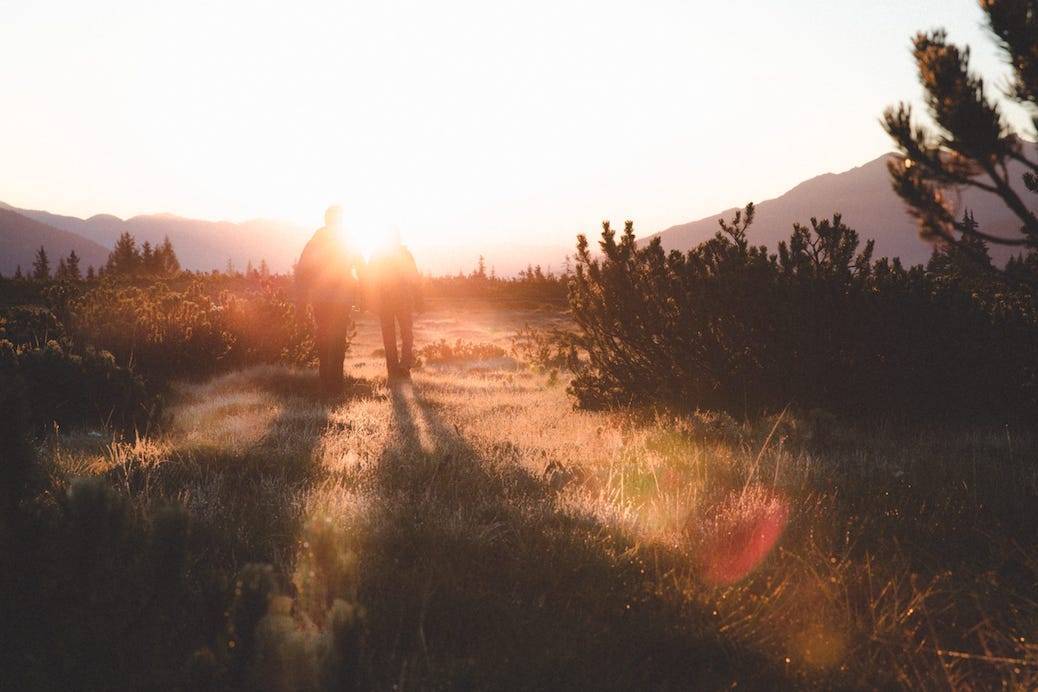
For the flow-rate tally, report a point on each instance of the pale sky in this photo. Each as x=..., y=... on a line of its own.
x=466, y=121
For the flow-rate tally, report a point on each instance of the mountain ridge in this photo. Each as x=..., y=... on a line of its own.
x=204, y=245
x=864, y=197
x=21, y=237
x=201, y=244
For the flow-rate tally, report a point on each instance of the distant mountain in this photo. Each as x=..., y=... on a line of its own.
x=21, y=237
x=206, y=245
x=863, y=195
x=869, y=205
x=200, y=245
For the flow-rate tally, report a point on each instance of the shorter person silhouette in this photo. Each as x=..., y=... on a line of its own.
x=394, y=289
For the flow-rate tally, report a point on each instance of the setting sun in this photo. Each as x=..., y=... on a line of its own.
x=467, y=123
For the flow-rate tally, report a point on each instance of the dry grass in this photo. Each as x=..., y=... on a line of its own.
x=474, y=530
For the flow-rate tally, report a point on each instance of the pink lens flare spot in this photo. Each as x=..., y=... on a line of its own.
x=745, y=530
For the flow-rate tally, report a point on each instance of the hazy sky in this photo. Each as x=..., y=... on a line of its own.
x=465, y=120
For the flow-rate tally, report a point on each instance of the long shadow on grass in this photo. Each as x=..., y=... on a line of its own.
x=247, y=501
x=247, y=498
x=472, y=577
x=113, y=593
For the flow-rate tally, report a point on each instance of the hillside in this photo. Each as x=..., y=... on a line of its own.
x=205, y=245
x=21, y=237
x=863, y=195
x=865, y=198
x=201, y=245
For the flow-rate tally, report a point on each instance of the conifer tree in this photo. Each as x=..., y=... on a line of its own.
x=264, y=270
x=1024, y=268
x=148, y=264
x=973, y=143
x=169, y=265
x=90, y=276
x=18, y=273
x=125, y=258
x=72, y=266
x=966, y=262
x=41, y=266
x=61, y=273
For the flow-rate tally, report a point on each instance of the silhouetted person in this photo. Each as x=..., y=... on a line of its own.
x=394, y=282
x=327, y=277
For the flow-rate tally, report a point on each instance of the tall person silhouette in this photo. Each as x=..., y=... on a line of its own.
x=394, y=287
x=327, y=276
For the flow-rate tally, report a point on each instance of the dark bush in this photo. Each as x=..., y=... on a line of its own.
x=103, y=593
x=728, y=326
x=31, y=326
x=69, y=389
x=18, y=466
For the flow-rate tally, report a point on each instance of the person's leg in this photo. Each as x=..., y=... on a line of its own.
x=337, y=349
x=406, y=320
x=389, y=341
x=323, y=340
x=323, y=364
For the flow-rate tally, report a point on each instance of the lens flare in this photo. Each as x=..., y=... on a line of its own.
x=746, y=528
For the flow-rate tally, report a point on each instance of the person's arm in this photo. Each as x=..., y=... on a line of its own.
x=360, y=271
x=414, y=281
x=304, y=276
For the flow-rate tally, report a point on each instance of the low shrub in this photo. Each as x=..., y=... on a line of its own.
x=444, y=353
x=69, y=389
x=545, y=350
x=99, y=356
x=266, y=327
x=158, y=331
x=166, y=333
x=728, y=326
x=18, y=467
x=31, y=326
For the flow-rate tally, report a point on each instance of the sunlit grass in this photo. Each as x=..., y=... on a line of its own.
x=473, y=528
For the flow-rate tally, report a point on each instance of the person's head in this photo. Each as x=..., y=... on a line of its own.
x=333, y=217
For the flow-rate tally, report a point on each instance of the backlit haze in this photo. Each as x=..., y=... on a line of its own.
x=465, y=123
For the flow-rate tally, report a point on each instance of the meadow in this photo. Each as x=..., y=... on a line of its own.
x=755, y=459
x=473, y=529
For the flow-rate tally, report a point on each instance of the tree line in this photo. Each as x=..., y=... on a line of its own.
x=126, y=260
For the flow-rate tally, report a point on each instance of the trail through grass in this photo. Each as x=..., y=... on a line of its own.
x=471, y=529
x=439, y=513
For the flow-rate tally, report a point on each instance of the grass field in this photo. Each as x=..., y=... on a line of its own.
x=471, y=529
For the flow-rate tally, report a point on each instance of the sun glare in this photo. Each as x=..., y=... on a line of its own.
x=361, y=242
x=369, y=241
x=364, y=242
